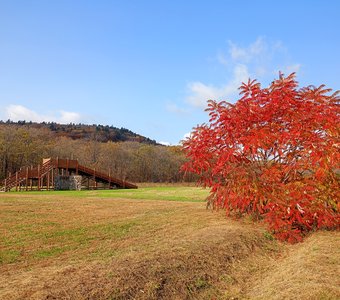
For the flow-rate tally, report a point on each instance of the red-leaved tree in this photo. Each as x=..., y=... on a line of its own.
x=274, y=154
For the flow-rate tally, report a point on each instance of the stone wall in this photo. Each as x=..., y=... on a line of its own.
x=72, y=182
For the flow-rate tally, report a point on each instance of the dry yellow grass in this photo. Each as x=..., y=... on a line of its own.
x=308, y=270
x=87, y=246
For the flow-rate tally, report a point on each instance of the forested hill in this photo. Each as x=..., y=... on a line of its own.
x=100, y=133
x=127, y=155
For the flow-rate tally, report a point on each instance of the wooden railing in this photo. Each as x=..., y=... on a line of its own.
x=105, y=177
x=14, y=180
x=42, y=171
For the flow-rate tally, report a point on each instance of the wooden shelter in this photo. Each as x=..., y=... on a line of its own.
x=42, y=177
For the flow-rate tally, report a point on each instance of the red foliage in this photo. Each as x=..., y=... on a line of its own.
x=274, y=154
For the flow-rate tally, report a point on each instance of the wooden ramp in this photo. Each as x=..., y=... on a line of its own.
x=42, y=177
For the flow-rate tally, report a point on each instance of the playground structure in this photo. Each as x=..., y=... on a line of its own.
x=44, y=177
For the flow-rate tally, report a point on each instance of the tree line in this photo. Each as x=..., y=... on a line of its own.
x=103, y=133
x=22, y=146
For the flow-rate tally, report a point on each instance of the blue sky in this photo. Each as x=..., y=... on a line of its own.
x=150, y=66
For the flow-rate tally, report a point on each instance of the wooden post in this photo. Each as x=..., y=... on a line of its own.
x=109, y=178
x=68, y=167
x=26, y=179
x=52, y=178
x=19, y=183
x=16, y=180
x=94, y=177
x=39, y=178
x=5, y=184
x=9, y=181
x=48, y=180
x=31, y=180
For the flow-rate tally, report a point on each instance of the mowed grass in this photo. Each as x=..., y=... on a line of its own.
x=168, y=193
x=151, y=243
x=58, y=221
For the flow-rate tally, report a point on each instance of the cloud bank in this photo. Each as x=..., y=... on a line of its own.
x=22, y=113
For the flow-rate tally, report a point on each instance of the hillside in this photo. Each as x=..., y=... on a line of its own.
x=127, y=155
x=100, y=133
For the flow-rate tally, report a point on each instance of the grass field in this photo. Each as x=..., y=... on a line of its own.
x=152, y=243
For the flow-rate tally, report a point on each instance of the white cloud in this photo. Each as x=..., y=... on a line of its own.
x=67, y=117
x=200, y=93
x=291, y=68
x=187, y=135
x=260, y=60
x=22, y=113
x=246, y=54
x=174, y=108
x=165, y=143
x=222, y=59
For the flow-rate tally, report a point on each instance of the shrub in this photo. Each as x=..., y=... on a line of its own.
x=273, y=154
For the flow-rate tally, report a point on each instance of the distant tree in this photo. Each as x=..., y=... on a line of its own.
x=274, y=154
x=20, y=147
